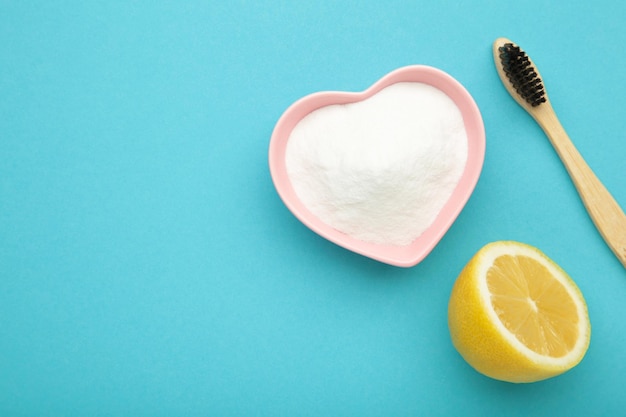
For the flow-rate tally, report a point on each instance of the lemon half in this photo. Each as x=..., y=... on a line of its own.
x=516, y=316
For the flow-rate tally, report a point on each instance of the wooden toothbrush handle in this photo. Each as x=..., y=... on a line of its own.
x=606, y=214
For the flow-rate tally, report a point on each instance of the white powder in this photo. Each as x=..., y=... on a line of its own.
x=381, y=169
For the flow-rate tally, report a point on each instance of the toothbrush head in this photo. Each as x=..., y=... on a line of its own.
x=521, y=74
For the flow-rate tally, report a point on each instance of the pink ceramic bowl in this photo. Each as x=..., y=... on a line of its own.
x=404, y=256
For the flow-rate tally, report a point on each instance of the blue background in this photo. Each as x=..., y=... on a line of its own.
x=148, y=267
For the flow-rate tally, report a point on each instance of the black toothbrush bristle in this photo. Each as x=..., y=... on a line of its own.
x=521, y=74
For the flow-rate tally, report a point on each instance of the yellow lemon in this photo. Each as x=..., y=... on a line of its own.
x=516, y=316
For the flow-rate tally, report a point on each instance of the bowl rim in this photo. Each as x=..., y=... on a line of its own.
x=402, y=256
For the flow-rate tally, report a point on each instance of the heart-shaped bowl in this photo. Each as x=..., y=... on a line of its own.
x=403, y=256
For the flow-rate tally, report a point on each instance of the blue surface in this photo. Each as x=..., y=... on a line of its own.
x=148, y=267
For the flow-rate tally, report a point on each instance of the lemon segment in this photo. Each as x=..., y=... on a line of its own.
x=516, y=316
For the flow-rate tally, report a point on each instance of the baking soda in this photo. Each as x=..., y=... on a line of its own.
x=380, y=170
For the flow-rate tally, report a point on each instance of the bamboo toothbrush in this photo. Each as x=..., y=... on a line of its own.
x=522, y=80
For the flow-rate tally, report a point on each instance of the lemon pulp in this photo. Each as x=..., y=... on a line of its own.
x=532, y=305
